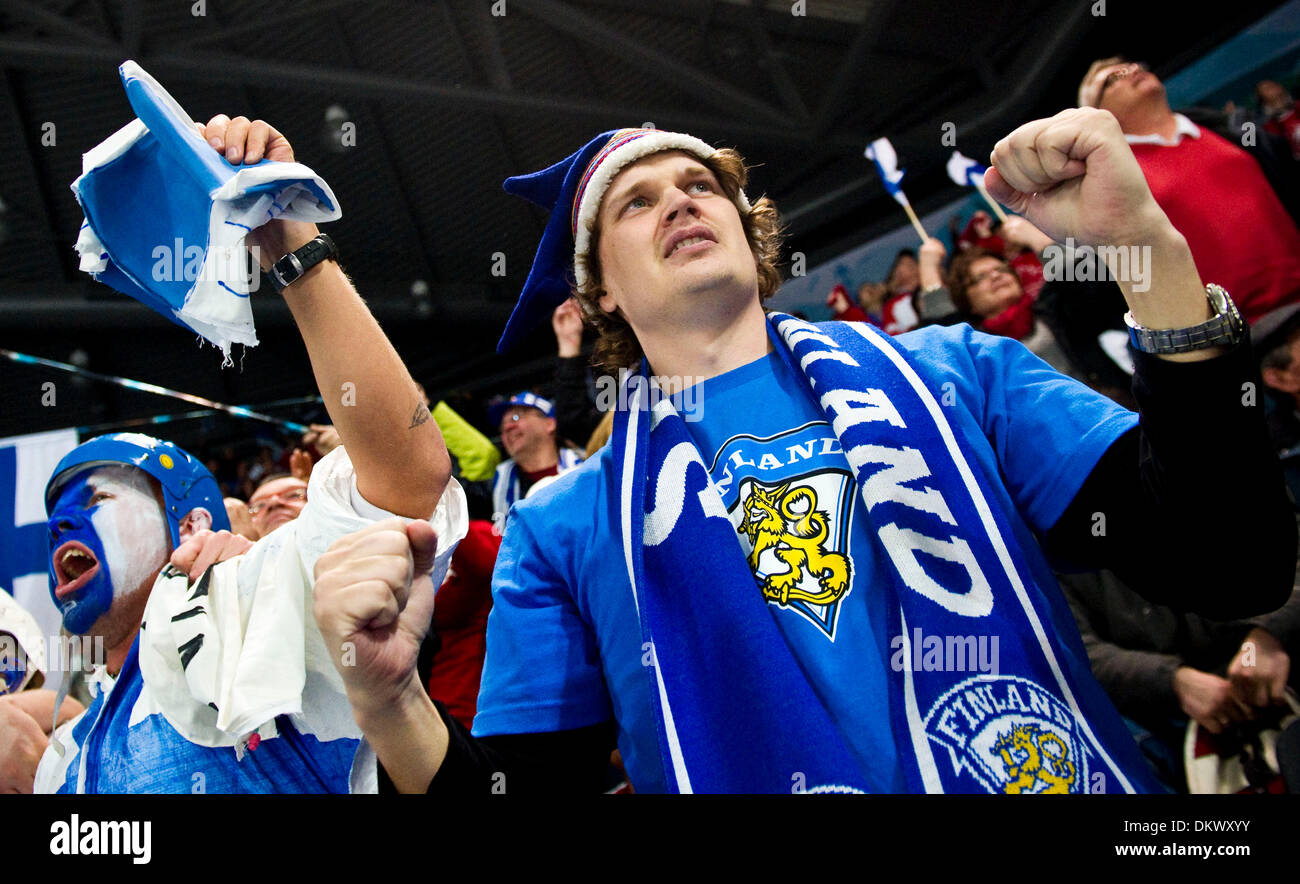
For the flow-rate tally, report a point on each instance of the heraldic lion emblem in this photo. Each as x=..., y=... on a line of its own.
x=787, y=521
x=1031, y=756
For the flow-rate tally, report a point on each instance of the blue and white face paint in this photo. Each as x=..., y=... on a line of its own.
x=107, y=535
x=14, y=668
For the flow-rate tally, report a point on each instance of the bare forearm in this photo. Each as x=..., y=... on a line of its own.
x=400, y=460
x=409, y=738
x=1173, y=294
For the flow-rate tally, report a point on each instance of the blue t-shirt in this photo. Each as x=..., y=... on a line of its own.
x=564, y=646
x=769, y=448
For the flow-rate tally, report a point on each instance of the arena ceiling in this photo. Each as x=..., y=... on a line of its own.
x=447, y=99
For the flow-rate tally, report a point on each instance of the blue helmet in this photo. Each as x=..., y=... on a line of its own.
x=186, y=483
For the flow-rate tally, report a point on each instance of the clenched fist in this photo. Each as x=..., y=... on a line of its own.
x=374, y=603
x=249, y=142
x=1074, y=175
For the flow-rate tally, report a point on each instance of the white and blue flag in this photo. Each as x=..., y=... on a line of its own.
x=26, y=463
x=166, y=215
x=881, y=152
x=964, y=171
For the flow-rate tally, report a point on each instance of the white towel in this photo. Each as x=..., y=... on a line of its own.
x=243, y=638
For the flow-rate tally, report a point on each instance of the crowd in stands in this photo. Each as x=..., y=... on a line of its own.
x=1236, y=203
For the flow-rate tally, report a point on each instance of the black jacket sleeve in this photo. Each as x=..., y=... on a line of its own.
x=558, y=762
x=1190, y=509
x=576, y=416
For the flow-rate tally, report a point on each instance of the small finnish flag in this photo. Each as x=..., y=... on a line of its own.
x=964, y=171
x=881, y=152
x=26, y=463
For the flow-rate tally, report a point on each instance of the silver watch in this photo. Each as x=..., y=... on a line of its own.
x=1224, y=328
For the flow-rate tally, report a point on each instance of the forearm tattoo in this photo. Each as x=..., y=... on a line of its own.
x=420, y=416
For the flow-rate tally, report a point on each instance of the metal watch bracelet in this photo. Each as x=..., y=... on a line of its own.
x=1225, y=328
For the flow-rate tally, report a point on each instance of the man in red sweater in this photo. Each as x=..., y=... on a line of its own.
x=1213, y=191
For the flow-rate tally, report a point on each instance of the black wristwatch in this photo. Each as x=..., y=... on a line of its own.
x=292, y=266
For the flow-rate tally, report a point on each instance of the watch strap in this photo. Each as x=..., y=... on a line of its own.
x=292, y=266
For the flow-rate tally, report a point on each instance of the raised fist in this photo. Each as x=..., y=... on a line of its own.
x=1074, y=175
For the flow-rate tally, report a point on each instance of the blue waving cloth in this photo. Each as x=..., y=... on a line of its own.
x=736, y=712
x=166, y=215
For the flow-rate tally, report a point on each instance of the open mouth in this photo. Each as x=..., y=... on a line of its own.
x=74, y=566
x=690, y=239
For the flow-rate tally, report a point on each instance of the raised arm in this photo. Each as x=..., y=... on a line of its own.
x=1195, y=509
x=1074, y=176
x=400, y=460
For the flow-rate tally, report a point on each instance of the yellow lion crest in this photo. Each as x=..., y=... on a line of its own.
x=1029, y=756
x=788, y=521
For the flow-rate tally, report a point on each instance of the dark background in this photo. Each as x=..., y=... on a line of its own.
x=448, y=100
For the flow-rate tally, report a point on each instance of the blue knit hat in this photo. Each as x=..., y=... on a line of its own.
x=571, y=191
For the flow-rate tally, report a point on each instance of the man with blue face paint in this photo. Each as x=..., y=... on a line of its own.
x=118, y=506
x=218, y=680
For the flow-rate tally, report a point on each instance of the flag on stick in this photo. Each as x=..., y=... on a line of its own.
x=965, y=172
x=881, y=152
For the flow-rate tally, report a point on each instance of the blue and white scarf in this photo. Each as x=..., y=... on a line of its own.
x=736, y=713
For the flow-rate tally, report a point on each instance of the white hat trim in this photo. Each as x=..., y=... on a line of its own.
x=609, y=168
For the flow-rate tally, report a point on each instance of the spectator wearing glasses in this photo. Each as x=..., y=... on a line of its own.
x=277, y=501
x=1078, y=314
x=527, y=423
x=1237, y=209
x=985, y=291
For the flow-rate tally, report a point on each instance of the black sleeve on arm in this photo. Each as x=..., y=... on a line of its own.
x=478, y=498
x=1189, y=509
x=557, y=762
x=576, y=416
